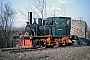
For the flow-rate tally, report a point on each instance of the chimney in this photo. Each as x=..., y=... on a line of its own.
x=30, y=17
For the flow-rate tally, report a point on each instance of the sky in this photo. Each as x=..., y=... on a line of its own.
x=76, y=9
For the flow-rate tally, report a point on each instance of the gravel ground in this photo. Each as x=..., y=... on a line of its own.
x=66, y=53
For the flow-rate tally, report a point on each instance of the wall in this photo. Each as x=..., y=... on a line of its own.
x=79, y=28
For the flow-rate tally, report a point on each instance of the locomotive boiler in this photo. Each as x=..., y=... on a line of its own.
x=53, y=31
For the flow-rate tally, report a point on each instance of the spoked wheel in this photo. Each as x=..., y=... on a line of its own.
x=56, y=44
x=36, y=43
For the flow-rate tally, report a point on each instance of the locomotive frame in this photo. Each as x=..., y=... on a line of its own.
x=27, y=41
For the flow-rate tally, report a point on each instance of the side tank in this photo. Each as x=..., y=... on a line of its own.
x=45, y=29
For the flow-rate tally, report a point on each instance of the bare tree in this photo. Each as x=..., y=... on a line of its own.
x=7, y=17
x=63, y=10
x=38, y=7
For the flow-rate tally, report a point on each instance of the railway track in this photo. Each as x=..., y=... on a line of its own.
x=18, y=50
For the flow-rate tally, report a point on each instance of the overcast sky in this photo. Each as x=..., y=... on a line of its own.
x=74, y=8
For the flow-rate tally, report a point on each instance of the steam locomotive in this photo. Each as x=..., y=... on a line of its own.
x=53, y=31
